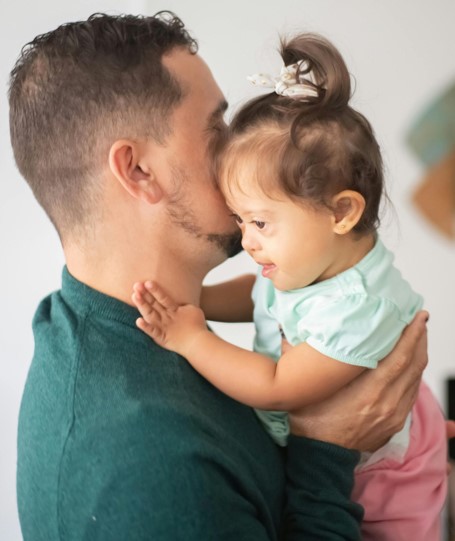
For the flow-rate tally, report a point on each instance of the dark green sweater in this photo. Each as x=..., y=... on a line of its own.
x=122, y=440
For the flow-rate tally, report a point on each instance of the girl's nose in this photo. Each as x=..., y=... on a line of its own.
x=249, y=242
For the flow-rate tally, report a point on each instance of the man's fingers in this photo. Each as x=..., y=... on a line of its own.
x=450, y=429
x=403, y=367
x=158, y=293
x=414, y=334
x=417, y=352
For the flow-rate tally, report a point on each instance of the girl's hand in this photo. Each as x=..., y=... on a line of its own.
x=171, y=326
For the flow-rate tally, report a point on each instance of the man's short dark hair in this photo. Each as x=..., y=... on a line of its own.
x=76, y=90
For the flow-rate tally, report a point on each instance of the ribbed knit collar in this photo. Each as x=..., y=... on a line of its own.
x=85, y=300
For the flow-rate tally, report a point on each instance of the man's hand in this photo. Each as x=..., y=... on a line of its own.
x=368, y=411
x=171, y=326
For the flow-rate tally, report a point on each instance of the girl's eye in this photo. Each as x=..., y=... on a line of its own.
x=258, y=224
x=237, y=218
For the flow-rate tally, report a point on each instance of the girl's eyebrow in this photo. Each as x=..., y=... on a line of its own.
x=262, y=212
x=255, y=212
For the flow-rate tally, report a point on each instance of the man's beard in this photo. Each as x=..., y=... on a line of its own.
x=182, y=215
x=231, y=244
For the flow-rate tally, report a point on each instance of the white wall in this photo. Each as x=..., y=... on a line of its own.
x=401, y=54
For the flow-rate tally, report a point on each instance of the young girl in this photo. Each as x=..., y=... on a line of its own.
x=302, y=173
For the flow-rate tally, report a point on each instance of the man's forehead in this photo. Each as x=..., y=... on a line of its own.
x=189, y=69
x=202, y=96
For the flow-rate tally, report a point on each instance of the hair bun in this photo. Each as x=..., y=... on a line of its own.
x=322, y=66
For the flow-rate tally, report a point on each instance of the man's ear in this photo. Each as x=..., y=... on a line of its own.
x=348, y=207
x=128, y=163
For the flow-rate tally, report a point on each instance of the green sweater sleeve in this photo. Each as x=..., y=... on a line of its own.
x=318, y=489
x=183, y=493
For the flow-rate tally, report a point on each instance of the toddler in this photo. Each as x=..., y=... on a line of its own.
x=302, y=173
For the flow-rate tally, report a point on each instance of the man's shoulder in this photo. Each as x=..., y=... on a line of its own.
x=122, y=432
x=158, y=442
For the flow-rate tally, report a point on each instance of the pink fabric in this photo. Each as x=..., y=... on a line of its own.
x=404, y=501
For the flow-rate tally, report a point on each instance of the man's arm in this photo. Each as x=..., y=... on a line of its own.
x=368, y=411
x=230, y=301
x=319, y=481
x=363, y=416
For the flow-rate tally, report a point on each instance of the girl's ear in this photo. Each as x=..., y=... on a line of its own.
x=129, y=162
x=348, y=207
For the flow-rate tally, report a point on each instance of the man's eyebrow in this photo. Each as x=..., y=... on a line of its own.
x=219, y=111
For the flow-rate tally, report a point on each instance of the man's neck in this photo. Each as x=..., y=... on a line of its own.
x=114, y=273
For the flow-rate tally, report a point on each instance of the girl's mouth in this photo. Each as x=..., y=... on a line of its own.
x=268, y=269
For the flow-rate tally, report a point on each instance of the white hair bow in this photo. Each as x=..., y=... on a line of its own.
x=287, y=84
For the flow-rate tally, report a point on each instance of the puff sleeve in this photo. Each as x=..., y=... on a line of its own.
x=358, y=329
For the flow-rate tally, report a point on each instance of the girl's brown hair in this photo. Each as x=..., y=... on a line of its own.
x=310, y=148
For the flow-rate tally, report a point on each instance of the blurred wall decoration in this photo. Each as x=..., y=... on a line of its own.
x=432, y=138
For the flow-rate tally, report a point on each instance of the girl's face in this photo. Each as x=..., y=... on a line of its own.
x=295, y=245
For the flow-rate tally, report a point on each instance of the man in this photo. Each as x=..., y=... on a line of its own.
x=113, y=124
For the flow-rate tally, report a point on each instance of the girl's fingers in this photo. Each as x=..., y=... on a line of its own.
x=147, y=297
x=148, y=310
x=152, y=330
x=158, y=293
x=140, y=289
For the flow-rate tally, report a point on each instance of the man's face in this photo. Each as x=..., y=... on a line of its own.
x=196, y=205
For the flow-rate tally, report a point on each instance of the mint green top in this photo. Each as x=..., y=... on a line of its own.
x=120, y=440
x=355, y=317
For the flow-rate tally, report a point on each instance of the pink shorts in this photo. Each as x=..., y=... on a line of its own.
x=403, y=501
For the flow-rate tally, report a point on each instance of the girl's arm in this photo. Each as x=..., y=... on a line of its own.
x=302, y=376
x=229, y=301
